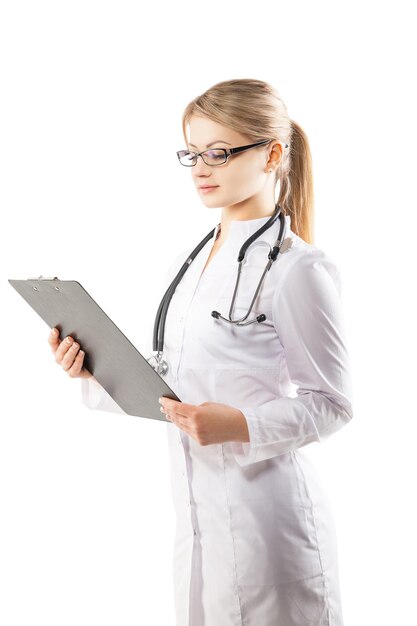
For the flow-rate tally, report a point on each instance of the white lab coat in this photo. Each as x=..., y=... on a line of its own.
x=255, y=540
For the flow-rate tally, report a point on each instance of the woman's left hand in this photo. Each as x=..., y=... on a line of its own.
x=210, y=422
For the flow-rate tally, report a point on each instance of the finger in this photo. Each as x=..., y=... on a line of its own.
x=183, y=424
x=53, y=339
x=177, y=408
x=171, y=413
x=68, y=358
x=180, y=417
x=62, y=349
x=76, y=367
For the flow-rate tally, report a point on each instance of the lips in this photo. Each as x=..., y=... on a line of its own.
x=208, y=186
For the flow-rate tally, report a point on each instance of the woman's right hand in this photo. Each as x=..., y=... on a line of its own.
x=68, y=355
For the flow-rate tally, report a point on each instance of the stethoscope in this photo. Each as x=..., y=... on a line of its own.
x=159, y=363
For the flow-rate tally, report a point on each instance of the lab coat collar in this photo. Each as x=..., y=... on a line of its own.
x=240, y=230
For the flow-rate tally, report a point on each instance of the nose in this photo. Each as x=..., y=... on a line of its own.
x=201, y=168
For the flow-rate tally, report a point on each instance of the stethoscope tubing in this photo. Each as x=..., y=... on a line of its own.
x=161, y=314
x=159, y=325
x=241, y=258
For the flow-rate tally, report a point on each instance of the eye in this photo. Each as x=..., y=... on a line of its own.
x=215, y=154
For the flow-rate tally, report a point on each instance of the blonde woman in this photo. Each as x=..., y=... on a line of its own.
x=255, y=538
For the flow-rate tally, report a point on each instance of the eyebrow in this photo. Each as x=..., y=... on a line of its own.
x=212, y=143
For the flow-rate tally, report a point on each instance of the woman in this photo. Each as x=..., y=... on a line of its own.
x=255, y=540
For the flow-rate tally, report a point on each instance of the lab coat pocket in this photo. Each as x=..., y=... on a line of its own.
x=244, y=296
x=274, y=539
x=257, y=339
x=301, y=603
x=249, y=386
x=307, y=601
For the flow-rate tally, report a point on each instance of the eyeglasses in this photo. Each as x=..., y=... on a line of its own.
x=216, y=156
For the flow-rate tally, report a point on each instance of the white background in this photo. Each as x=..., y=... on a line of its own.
x=92, y=95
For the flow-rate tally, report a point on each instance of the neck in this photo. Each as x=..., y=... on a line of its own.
x=230, y=214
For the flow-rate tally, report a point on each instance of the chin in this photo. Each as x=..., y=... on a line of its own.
x=213, y=204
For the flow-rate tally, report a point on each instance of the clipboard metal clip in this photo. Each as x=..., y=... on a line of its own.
x=44, y=278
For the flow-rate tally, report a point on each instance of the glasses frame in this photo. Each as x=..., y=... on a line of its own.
x=228, y=152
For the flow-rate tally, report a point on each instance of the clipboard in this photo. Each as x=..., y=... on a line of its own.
x=113, y=360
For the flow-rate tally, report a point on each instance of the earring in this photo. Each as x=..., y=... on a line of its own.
x=270, y=170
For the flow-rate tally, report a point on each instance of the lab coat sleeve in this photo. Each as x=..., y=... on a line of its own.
x=93, y=395
x=308, y=318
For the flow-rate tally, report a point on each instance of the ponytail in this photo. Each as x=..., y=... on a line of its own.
x=296, y=197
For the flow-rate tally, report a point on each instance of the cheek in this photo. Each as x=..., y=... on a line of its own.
x=242, y=181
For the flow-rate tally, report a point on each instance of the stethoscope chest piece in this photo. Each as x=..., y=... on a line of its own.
x=158, y=363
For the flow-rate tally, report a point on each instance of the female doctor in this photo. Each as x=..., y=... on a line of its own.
x=255, y=539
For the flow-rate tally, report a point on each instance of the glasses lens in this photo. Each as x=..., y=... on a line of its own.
x=187, y=158
x=214, y=157
x=211, y=157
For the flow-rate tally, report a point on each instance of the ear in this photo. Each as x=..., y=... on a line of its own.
x=275, y=153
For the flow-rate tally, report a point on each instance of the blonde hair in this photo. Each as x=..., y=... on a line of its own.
x=255, y=109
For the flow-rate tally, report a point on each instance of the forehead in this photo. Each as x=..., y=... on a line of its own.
x=202, y=131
